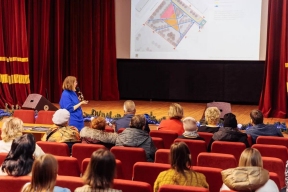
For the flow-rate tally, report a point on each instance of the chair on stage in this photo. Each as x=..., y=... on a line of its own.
x=128, y=156
x=233, y=148
x=179, y=188
x=68, y=166
x=272, y=140
x=148, y=171
x=195, y=147
x=167, y=136
x=27, y=116
x=54, y=148
x=216, y=160
x=128, y=185
x=162, y=156
x=44, y=117
x=158, y=142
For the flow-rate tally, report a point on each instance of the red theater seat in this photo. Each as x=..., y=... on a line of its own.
x=233, y=148
x=272, y=140
x=13, y=184
x=2, y=157
x=275, y=165
x=158, y=142
x=179, y=188
x=68, y=166
x=69, y=182
x=44, y=117
x=277, y=151
x=131, y=186
x=167, y=136
x=54, y=148
x=27, y=116
x=216, y=160
x=162, y=156
x=206, y=136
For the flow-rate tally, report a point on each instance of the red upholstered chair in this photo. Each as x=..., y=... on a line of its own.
x=233, y=148
x=158, y=142
x=249, y=138
x=148, y=171
x=27, y=116
x=44, y=117
x=54, y=148
x=277, y=151
x=128, y=156
x=2, y=157
x=206, y=136
x=68, y=166
x=162, y=156
x=119, y=171
x=195, y=147
x=272, y=140
x=213, y=177
x=128, y=185
x=167, y=136
x=275, y=165
x=216, y=160
x=120, y=130
x=109, y=129
x=69, y=182
x=13, y=184
x=81, y=151
x=273, y=176
x=179, y=188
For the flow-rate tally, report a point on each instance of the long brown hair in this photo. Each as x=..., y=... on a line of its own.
x=44, y=173
x=180, y=157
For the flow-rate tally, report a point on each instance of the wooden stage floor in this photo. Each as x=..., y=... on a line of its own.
x=160, y=109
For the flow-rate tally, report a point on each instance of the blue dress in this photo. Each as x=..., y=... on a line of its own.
x=67, y=101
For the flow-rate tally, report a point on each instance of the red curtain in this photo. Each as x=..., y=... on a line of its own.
x=273, y=101
x=14, y=70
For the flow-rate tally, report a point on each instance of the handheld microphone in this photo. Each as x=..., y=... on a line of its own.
x=80, y=94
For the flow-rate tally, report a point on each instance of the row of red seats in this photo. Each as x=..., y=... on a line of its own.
x=28, y=116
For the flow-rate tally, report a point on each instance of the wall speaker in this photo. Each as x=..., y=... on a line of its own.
x=38, y=102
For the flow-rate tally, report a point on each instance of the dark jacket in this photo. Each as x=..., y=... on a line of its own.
x=125, y=121
x=192, y=138
x=208, y=129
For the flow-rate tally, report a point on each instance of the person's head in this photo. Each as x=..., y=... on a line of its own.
x=190, y=124
x=61, y=117
x=11, y=128
x=180, y=157
x=69, y=83
x=100, y=171
x=175, y=111
x=138, y=122
x=212, y=115
x=20, y=158
x=98, y=123
x=250, y=157
x=256, y=117
x=230, y=120
x=129, y=107
x=44, y=174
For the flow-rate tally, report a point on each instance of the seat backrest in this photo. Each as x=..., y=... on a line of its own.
x=158, y=142
x=54, y=148
x=233, y=148
x=275, y=165
x=216, y=160
x=274, y=177
x=128, y=185
x=277, y=151
x=128, y=156
x=272, y=140
x=213, y=177
x=120, y=130
x=148, y=171
x=109, y=129
x=179, y=188
x=249, y=139
x=68, y=166
x=162, y=156
x=13, y=184
x=44, y=117
x=206, y=136
x=27, y=116
x=195, y=147
x=2, y=157
x=167, y=136
x=69, y=182
x=81, y=151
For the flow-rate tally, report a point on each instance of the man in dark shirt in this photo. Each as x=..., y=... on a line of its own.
x=261, y=129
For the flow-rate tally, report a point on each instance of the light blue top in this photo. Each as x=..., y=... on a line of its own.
x=61, y=189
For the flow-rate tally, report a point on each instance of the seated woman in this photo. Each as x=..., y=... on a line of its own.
x=174, y=122
x=97, y=135
x=212, y=117
x=249, y=175
x=229, y=132
x=44, y=182
x=181, y=172
x=20, y=158
x=190, y=127
x=100, y=172
x=12, y=128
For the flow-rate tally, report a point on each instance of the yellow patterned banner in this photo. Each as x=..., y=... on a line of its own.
x=12, y=79
x=11, y=59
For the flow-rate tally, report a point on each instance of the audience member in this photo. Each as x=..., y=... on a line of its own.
x=181, y=172
x=44, y=174
x=249, y=175
x=20, y=158
x=11, y=129
x=100, y=172
x=135, y=136
x=212, y=117
x=97, y=135
x=259, y=128
x=229, y=132
x=174, y=122
x=190, y=127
